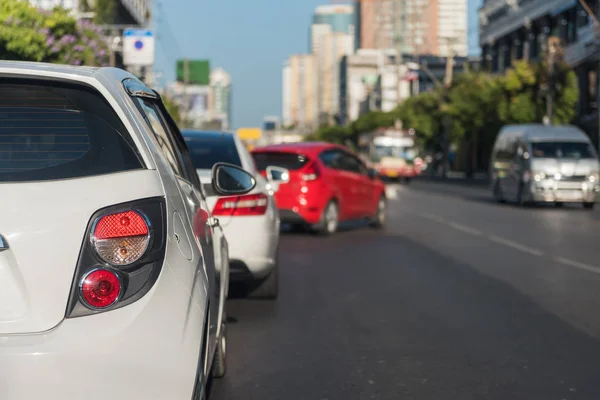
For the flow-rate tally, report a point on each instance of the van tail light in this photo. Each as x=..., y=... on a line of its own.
x=121, y=258
x=121, y=238
x=311, y=172
x=247, y=205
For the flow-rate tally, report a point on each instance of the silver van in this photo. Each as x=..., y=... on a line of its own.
x=538, y=163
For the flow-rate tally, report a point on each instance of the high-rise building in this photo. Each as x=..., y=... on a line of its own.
x=432, y=27
x=341, y=18
x=220, y=97
x=332, y=36
x=300, y=104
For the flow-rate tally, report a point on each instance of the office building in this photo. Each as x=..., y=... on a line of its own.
x=430, y=27
x=512, y=30
x=341, y=18
x=300, y=98
x=220, y=97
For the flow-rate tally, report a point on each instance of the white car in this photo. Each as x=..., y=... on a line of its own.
x=250, y=222
x=109, y=257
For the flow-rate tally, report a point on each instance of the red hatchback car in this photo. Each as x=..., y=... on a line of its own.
x=327, y=184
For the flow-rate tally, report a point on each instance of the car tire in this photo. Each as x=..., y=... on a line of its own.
x=589, y=205
x=219, y=367
x=268, y=288
x=379, y=220
x=329, y=220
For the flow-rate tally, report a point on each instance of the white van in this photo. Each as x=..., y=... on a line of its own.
x=538, y=163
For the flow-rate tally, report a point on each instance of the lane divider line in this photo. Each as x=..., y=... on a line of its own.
x=465, y=229
x=433, y=217
x=515, y=245
x=577, y=264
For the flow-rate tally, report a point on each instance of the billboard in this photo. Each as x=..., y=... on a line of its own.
x=198, y=71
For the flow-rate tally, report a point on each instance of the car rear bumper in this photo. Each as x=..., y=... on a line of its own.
x=253, y=241
x=146, y=350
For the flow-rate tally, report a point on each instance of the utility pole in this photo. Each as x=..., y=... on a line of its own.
x=448, y=79
x=550, y=92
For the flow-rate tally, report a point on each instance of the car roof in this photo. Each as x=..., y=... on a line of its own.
x=547, y=132
x=299, y=147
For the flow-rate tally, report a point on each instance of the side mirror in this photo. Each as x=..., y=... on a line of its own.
x=278, y=175
x=372, y=173
x=228, y=179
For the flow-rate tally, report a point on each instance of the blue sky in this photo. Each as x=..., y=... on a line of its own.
x=249, y=39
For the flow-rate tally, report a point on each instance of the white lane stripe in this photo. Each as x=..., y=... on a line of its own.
x=466, y=229
x=432, y=217
x=577, y=264
x=515, y=245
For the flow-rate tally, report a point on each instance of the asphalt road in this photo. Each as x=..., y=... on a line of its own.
x=458, y=298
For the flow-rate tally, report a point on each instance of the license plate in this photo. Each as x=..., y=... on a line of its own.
x=570, y=194
x=392, y=174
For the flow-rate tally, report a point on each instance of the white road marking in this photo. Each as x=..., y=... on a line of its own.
x=515, y=245
x=577, y=264
x=433, y=217
x=466, y=229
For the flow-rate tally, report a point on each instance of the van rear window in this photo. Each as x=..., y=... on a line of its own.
x=51, y=130
x=290, y=161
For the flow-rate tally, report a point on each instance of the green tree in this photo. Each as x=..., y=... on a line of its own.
x=29, y=34
x=173, y=109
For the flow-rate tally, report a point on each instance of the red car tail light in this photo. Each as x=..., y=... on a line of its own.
x=100, y=288
x=121, y=238
x=250, y=204
x=311, y=172
x=122, y=258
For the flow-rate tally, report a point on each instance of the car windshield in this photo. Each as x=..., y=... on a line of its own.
x=576, y=150
x=206, y=151
x=406, y=153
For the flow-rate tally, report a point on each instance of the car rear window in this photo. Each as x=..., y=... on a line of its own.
x=206, y=151
x=291, y=161
x=51, y=130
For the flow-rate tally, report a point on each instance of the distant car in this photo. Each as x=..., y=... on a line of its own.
x=250, y=222
x=109, y=256
x=327, y=184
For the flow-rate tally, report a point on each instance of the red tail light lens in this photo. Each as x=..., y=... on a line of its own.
x=311, y=172
x=100, y=288
x=121, y=238
x=252, y=204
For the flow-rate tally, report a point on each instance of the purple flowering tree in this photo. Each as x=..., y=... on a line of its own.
x=29, y=34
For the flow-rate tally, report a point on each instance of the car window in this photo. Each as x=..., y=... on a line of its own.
x=180, y=146
x=350, y=163
x=332, y=158
x=206, y=151
x=161, y=135
x=290, y=161
x=51, y=130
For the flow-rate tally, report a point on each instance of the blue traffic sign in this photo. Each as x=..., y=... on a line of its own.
x=138, y=44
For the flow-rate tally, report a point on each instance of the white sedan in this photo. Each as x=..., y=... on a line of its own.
x=250, y=222
x=112, y=270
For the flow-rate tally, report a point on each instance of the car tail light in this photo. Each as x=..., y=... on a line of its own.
x=311, y=172
x=121, y=258
x=100, y=288
x=250, y=204
x=121, y=238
